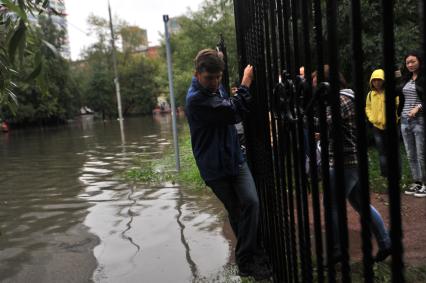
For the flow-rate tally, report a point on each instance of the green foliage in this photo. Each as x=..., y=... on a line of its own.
x=100, y=92
x=162, y=170
x=200, y=30
x=13, y=40
x=44, y=94
x=146, y=174
x=189, y=174
x=378, y=183
x=407, y=34
x=138, y=85
x=383, y=273
x=137, y=73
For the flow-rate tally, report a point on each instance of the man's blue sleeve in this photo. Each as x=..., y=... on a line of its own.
x=217, y=110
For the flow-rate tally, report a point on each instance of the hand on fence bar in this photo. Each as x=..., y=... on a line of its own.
x=248, y=76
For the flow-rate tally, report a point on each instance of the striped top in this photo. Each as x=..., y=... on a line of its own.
x=411, y=97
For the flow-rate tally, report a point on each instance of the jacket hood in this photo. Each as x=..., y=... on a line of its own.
x=377, y=74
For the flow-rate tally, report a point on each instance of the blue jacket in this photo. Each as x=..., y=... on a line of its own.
x=211, y=118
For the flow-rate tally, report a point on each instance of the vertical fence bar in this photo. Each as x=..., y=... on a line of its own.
x=324, y=142
x=357, y=61
x=393, y=149
x=295, y=29
x=288, y=51
x=306, y=92
x=280, y=31
x=297, y=138
x=288, y=226
x=331, y=274
x=279, y=172
x=270, y=70
x=312, y=144
x=284, y=45
x=284, y=129
x=336, y=133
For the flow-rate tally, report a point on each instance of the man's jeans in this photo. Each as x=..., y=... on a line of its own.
x=413, y=135
x=353, y=194
x=239, y=196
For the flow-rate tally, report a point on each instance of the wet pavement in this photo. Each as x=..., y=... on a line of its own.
x=66, y=215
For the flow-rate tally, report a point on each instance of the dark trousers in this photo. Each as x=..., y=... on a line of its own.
x=238, y=195
x=380, y=141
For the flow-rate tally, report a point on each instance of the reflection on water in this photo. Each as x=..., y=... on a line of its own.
x=64, y=207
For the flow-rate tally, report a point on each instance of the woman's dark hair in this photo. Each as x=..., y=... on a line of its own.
x=406, y=75
x=209, y=60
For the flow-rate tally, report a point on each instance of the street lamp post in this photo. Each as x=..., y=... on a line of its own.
x=172, y=96
x=114, y=59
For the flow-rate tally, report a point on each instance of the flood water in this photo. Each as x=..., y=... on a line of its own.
x=67, y=215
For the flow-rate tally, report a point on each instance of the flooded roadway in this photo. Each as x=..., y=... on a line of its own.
x=66, y=215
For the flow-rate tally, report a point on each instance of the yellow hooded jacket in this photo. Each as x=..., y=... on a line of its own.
x=375, y=104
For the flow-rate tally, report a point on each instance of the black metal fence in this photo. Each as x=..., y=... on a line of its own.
x=277, y=37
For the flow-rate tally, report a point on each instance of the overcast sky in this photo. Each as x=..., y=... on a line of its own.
x=147, y=14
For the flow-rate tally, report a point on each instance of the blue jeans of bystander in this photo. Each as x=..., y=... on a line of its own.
x=413, y=134
x=353, y=194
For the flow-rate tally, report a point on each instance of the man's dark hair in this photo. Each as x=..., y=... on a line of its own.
x=342, y=81
x=209, y=60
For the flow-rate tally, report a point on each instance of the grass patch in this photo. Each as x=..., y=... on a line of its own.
x=383, y=273
x=378, y=183
x=164, y=170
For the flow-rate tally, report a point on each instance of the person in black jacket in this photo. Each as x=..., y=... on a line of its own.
x=212, y=115
x=412, y=121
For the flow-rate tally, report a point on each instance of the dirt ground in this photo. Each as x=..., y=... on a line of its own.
x=413, y=212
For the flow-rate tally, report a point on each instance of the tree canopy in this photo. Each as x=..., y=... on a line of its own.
x=137, y=73
x=39, y=86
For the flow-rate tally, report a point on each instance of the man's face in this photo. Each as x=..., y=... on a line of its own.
x=210, y=81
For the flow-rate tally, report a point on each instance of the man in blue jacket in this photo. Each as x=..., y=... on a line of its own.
x=212, y=116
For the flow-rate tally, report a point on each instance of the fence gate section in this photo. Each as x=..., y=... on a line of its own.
x=296, y=124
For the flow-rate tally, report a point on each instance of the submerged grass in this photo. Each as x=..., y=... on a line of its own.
x=163, y=169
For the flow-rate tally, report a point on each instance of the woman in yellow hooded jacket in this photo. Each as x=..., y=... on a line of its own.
x=375, y=111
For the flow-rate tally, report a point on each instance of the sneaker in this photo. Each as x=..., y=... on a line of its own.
x=254, y=270
x=421, y=193
x=382, y=254
x=412, y=189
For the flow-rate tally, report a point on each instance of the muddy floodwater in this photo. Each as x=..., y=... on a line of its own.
x=66, y=215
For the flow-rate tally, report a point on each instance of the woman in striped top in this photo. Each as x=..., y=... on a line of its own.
x=412, y=122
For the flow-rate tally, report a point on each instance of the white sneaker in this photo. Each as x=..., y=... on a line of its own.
x=421, y=193
x=412, y=189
